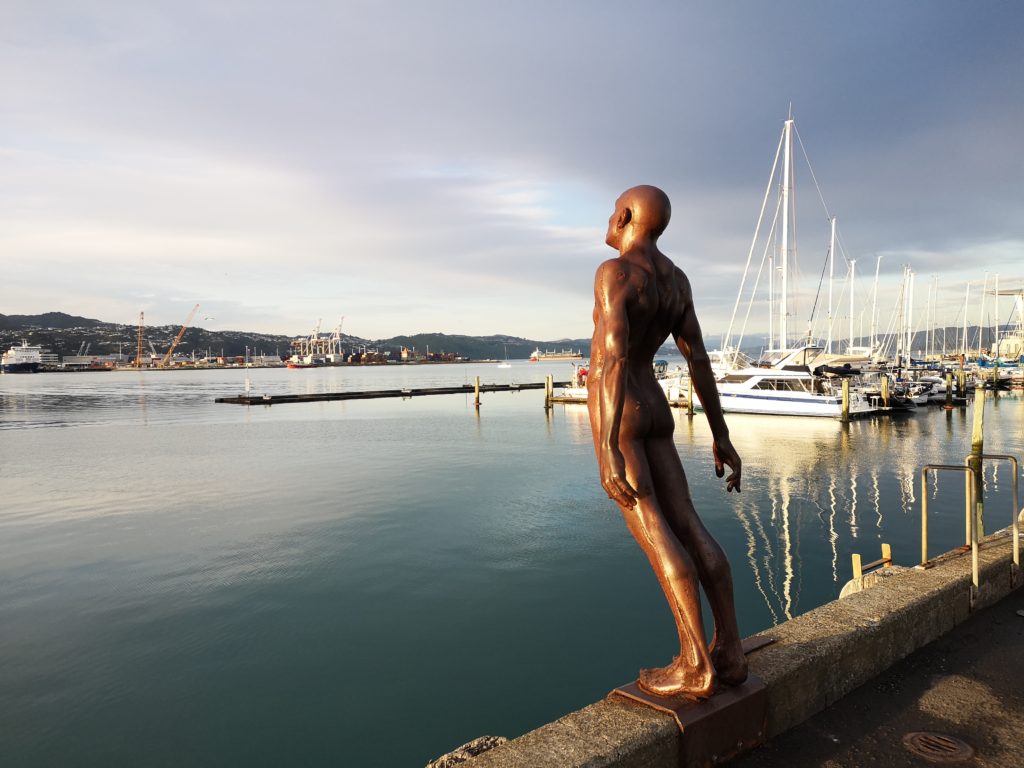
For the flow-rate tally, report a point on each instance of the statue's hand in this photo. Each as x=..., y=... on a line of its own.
x=613, y=478
x=726, y=454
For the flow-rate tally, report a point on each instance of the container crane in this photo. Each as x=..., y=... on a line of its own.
x=174, y=344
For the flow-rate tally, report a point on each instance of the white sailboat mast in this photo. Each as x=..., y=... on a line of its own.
x=831, y=272
x=981, y=315
x=787, y=175
x=874, y=308
x=928, y=323
x=771, y=301
x=904, y=311
x=910, y=315
x=995, y=341
x=967, y=298
x=853, y=272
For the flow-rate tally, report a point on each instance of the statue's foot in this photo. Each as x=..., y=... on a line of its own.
x=730, y=663
x=678, y=678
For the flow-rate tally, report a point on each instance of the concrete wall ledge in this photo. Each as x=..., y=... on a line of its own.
x=817, y=659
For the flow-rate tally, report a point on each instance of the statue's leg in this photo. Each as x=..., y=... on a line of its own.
x=673, y=491
x=691, y=672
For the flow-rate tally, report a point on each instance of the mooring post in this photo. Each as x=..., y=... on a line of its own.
x=689, y=396
x=846, y=401
x=949, y=390
x=885, y=390
x=476, y=391
x=549, y=391
x=976, y=463
x=961, y=380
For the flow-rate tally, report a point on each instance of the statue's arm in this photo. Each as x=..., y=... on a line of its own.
x=611, y=293
x=690, y=341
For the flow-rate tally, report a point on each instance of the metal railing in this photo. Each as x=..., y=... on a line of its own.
x=1015, y=509
x=972, y=531
x=970, y=514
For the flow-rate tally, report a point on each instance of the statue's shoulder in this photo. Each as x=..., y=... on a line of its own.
x=683, y=284
x=614, y=264
x=613, y=271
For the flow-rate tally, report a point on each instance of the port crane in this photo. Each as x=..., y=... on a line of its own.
x=174, y=344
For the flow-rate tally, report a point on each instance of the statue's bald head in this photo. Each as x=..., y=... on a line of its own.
x=645, y=209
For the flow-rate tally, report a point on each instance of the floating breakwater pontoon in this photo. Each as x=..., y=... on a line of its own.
x=462, y=389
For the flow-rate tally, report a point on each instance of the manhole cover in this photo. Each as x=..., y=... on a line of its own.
x=938, y=747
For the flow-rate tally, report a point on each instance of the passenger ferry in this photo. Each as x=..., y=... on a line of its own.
x=23, y=359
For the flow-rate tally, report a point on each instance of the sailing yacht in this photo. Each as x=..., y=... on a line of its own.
x=784, y=383
x=505, y=363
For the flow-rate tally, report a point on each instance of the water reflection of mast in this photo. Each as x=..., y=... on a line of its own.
x=787, y=550
x=878, y=497
x=769, y=555
x=853, y=502
x=751, y=550
x=833, y=537
x=905, y=478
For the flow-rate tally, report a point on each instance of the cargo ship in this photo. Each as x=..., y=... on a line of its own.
x=23, y=359
x=566, y=354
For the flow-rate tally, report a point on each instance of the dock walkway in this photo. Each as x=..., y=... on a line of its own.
x=968, y=684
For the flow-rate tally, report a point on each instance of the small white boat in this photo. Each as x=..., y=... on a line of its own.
x=785, y=392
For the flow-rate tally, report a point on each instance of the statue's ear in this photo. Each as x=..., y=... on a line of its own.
x=624, y=218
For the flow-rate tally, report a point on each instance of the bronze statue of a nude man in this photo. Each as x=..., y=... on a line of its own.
x=639, y=299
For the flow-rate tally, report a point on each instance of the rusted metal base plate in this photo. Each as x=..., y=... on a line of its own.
x=755, y=643
x=729, y=723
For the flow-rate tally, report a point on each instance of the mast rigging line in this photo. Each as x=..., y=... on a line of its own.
x=807, y=160
x=757, y=281
x=753, y=244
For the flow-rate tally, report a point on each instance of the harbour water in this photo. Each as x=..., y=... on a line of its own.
x=373, y=583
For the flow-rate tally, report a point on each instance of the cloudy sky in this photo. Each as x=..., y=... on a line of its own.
x=450, y=166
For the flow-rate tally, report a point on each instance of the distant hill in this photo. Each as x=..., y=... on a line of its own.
x=49, y=320
x=67, y=334
x=481, y=347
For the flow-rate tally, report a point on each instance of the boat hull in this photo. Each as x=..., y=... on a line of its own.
x=825, y=407
x=20, y=367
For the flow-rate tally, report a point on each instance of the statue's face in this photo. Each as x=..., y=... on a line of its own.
x=614, y=236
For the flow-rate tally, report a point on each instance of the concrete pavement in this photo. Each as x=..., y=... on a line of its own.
x=968, y=684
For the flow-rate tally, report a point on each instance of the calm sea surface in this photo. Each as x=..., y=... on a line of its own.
x=372, y=583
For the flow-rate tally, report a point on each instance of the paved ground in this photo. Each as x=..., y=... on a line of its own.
x=968, y=684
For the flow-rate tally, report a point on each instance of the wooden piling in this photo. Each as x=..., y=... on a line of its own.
x=846, y=401
x=949, y=391
x=549, y=391
x=476, y=391
x=885, y=390
x=976, y=463
x=689, y=396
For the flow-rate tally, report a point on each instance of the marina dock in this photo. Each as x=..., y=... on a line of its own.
x=313, y=397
